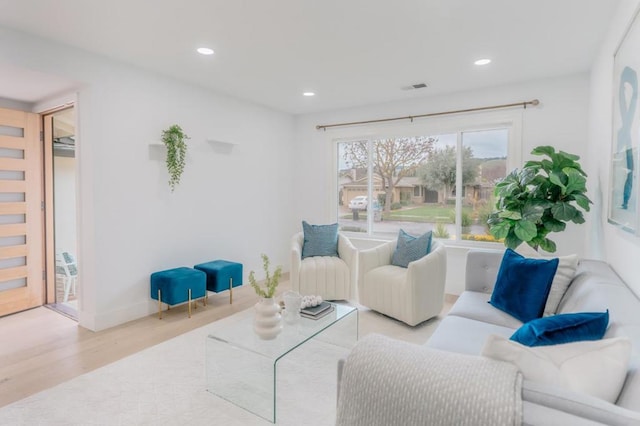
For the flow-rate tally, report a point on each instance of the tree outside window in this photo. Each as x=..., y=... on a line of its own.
x=439, y=171
x=414, y=179
x=393, y=159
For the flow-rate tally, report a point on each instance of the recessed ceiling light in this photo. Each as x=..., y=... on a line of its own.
x=308, y=94
x=205, y=51
x=482, y=61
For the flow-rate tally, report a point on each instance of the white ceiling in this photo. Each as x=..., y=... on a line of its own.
x=31, y=86
x=350, y=52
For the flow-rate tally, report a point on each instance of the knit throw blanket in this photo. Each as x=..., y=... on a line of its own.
x=388, y=382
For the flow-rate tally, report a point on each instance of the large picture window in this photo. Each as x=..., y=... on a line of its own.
x=441, y=182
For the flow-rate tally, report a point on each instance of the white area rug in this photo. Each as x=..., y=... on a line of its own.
x=166, y=385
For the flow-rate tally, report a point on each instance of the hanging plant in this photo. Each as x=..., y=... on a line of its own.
x=174, y=139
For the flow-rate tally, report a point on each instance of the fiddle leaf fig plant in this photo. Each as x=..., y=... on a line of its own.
x=174, y=139
x=539, y=199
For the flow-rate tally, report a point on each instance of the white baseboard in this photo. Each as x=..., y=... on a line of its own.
x=119, y=316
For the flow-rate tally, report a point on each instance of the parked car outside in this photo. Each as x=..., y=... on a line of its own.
x=358, y=203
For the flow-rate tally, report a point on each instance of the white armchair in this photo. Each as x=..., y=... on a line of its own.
x=333, y=278
x=411, y=295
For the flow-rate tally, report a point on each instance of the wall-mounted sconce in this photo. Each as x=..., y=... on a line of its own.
x=221, y=147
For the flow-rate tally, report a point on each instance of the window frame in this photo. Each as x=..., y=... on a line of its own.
x=454, y=124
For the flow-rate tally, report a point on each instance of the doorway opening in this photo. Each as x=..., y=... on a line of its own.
x=60, y=169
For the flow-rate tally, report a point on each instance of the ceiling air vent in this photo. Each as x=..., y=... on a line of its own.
x=415, y=86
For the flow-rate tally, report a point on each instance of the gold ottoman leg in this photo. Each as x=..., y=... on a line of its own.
x=159, y=304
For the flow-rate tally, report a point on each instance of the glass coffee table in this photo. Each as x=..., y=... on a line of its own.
x=242, y=368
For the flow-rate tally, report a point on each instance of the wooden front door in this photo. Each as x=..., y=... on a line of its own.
x=21, y=217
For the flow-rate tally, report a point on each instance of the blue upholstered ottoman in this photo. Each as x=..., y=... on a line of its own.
x=178, y=285
x=222, y=275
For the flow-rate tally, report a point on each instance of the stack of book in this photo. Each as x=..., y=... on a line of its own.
x=316, y=312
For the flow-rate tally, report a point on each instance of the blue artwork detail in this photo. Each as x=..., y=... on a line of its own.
x=627, y=111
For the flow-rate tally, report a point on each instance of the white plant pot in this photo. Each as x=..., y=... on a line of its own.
x=268, y=322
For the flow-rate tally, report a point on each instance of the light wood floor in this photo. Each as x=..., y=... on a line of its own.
x=41, y=348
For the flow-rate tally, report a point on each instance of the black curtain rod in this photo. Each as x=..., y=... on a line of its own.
x=433, y=114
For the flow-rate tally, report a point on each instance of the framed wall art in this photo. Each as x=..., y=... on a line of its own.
x=623, y=182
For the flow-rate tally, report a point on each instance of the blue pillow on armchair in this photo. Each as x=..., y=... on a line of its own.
x=410, y=248
x=563, y=328
x=320, y=240
x=523, y=285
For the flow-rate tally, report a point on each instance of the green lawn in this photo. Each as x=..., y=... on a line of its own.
x=426, y=213
x=430, y=213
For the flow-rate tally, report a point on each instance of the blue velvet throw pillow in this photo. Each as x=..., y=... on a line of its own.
x=563, y=328
x=320, y=240
x=523, y=285
x=410, y=248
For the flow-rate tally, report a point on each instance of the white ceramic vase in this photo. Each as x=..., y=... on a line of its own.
x=268, y=322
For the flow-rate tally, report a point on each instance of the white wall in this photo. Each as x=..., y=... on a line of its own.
x=232, y=206
x=559, y=120
x=64, y=196
x=617, y=247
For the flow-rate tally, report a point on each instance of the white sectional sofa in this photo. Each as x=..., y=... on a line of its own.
x=595, y=288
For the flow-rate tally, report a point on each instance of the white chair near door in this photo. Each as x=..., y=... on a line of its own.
x=67, y=271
